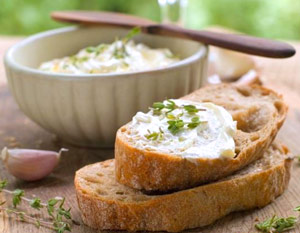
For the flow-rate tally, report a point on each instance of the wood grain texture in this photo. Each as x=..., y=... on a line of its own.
x=17, y=129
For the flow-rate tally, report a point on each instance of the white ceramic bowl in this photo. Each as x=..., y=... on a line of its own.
x=88, y=109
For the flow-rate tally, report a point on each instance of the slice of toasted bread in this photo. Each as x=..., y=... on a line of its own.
x=259, y=113
x=106, y=204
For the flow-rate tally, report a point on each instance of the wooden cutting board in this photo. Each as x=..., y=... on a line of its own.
x=16, y=130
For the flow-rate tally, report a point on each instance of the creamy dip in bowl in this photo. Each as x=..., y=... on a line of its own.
x=117, y=57
x=88, y=108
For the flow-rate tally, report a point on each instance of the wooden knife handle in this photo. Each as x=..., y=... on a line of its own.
x=236, y=42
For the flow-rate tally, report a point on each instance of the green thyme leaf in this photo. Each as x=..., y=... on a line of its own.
x=297, y=208
x=171, y=106
x=90, y=49
x=3, y=184
x=37, y=223
x=99, y=49
x=175, y=126
x=61, y=227
x=171, y=116
x=125, y=64
x=36, y=203
x=64, y=212
x=62, y=202
x=21, y=215
x=267, y=225
x=155, y=135
x=195, y=119
x=82, y=59
x=52, y=202
x=158, y=105
x=133, y=32
x=50, y=206
x=191, y=109
x=119, y=54
x=283, y=224
x=73, y=59
x=193, y=125
x=276, y=224
x=195, y=122
x=17, y=194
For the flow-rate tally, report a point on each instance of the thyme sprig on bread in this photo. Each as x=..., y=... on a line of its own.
x=157, y=107
x=60, y=217
x=155, y=135
x=176, y=124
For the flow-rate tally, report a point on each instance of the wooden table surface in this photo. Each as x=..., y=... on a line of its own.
x=17, y=130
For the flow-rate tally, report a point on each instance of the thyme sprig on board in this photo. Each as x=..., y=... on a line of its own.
x=60, y=217
x=276, y=224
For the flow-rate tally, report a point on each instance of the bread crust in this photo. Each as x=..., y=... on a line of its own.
x=255, y=186
x=152, y=170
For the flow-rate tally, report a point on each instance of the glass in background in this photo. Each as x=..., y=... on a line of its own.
x=173, y=11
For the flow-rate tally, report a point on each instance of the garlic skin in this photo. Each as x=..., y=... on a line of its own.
x=28, y=164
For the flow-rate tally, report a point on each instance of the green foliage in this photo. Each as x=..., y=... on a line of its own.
x=17, y=195
x=276, y=224
x=36, y=203
x=283, y=224
x=51, y=205
x=133, y=32
x=297, y=209
x=195, y=122
x=266, y=18
x=175, y=126
x=191, y=109
x=55, y=207
x=155, y=135
x=158, y=106
x=3, y=184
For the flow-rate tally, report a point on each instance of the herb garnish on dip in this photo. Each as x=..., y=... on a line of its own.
x=123, y=55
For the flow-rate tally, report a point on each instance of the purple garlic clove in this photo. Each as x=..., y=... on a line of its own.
x=28, y=164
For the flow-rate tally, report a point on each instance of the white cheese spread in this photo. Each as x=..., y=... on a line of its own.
x=118, y=57
x=185, y=128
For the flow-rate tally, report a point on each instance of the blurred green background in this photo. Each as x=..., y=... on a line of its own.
x=267, y=18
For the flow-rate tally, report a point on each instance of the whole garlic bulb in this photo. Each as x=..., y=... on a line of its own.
x=28, y=164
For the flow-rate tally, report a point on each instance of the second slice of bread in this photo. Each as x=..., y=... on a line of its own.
x=107, y=205
x=259, y=113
